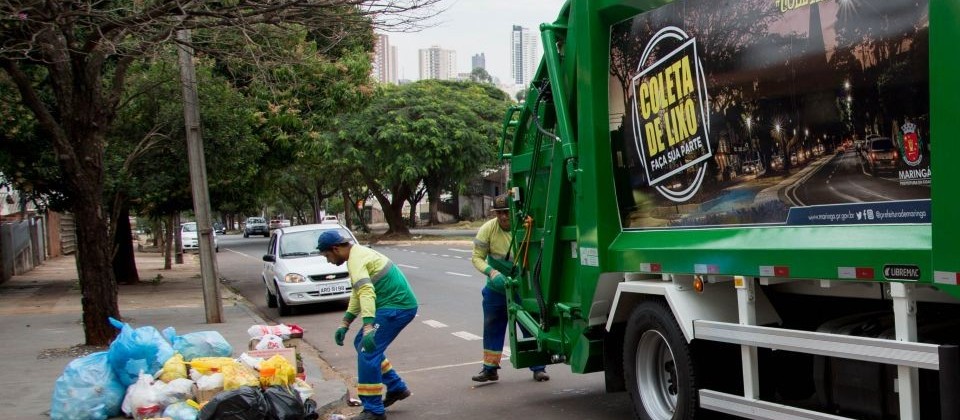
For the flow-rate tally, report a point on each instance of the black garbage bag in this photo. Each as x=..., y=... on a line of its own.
x=244, y=403
x=284, y=403
x=310, y=410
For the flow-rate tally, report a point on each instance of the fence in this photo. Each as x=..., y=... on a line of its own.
x=21, y=245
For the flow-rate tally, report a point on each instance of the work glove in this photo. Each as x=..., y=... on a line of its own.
x=344, y=326
x=368, y=342
x=497, y=282
x=340, y=335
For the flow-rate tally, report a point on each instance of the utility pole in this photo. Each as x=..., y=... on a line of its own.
x=198, y=180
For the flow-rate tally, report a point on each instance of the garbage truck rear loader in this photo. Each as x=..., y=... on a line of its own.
x=730, y=206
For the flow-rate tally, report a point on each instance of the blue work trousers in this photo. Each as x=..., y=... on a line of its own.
x=374, y=371
x=495, y=329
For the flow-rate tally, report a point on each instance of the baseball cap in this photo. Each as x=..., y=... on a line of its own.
x=329, y=239
x=501, y=202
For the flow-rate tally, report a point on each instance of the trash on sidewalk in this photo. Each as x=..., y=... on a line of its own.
x=191, y=376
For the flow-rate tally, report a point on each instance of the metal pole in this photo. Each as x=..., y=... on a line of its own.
x=949, y=382
x=198, y=181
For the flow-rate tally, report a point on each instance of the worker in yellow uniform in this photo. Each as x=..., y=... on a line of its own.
x=493, y=243
x=383, y=299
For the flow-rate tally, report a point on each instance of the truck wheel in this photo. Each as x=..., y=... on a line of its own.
x=658, y=365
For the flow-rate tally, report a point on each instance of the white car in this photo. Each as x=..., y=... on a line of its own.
x=294, y=272
x=189, y=240
x=330, y=219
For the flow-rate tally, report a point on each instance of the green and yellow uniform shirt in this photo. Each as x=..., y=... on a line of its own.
x=377, y=283
x=491, y=242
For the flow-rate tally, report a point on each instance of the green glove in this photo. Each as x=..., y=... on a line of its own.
x=340, y=335
x=369, y=334
x=497, y=283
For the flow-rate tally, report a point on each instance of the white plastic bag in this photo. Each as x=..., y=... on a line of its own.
x=251, y=361
x=269, y=342
x=208, y=382
x=175, y=391
x=142, y=393
x=257, y=331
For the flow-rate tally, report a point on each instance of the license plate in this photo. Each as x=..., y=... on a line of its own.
x=338, y=287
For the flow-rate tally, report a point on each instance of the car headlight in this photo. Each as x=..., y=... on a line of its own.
x=294, y=278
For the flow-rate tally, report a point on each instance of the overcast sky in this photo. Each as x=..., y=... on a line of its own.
x=471, y=27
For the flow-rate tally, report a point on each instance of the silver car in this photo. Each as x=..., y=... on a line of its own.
x=294, y=272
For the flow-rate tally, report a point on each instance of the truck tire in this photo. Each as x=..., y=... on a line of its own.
x=658, y=364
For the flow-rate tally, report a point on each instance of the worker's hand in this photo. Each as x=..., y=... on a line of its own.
x=497, y=282
x=340, y=335
x=369, y=335
x=493, y=273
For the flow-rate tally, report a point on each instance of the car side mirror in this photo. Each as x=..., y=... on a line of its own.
x=269, y=258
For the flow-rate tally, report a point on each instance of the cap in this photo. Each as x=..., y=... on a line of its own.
x=501, y=202
x=329, y=239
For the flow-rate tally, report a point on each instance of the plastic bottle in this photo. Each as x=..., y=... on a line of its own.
x=337, y=417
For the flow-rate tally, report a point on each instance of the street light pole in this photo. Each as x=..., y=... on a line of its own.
x=198, y=180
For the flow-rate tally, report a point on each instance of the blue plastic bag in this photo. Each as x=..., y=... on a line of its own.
x=137, y=350
x=88, y=389
x=181, y=411
x=198, y=344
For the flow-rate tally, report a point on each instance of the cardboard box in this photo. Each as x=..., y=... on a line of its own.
x=287, y=353
x=202, y=396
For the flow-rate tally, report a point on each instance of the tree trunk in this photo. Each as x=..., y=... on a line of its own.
x=177, y=240
x=97, y=284
x=168, y=243
x=124, y=263
x=433, y=199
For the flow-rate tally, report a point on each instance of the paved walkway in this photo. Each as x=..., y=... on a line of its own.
x=41, y=327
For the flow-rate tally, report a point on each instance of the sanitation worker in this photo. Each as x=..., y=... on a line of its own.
x=493, y=243
x=383, y=300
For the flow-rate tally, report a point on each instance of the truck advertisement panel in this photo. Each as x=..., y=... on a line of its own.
x=771, y=112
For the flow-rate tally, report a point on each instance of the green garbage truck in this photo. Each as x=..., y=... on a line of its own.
x=729, y=206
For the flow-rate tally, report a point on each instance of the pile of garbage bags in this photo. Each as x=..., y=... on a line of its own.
x=147, y=374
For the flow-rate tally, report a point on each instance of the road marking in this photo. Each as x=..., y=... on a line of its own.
x=459, y=250
x=438, y=367
x=445, y=256
x=408, y=266
x=458, y=257
x=467, y=336
x=434, y=254
x=240, y=253
x=457, y=274
x=435, y=324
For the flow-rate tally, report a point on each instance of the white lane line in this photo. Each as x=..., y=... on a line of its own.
x=459, y=250
x=445, y=256
x=438, y=367
x=458, y=257
x=245, y=255
x=457, y=274
x=434, y=254
x=467, y=336
x=408, y=266
x=435, y=324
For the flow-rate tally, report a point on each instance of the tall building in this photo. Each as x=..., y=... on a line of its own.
x=524, y=55
x=436, y=63
x=384, y=60
x=478, y=61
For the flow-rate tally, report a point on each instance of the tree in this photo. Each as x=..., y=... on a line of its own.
x=437, y=132
x=480, y=75
x=70, y=60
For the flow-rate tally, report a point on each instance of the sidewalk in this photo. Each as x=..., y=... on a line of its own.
x=41, y=329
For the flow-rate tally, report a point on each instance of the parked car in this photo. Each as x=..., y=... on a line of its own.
x=189, y=239
x=881, y=155
x=279, y=223
x=294, y=272
x=219, y=228
x=330, y=219
x=256, y=226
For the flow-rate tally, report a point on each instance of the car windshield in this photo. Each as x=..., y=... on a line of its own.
x=882, y=145
x=190, y=227
x=304, y=243
x=255, y=220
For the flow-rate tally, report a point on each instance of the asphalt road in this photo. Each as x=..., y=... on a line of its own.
x=844, y=179
x=441, y=349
